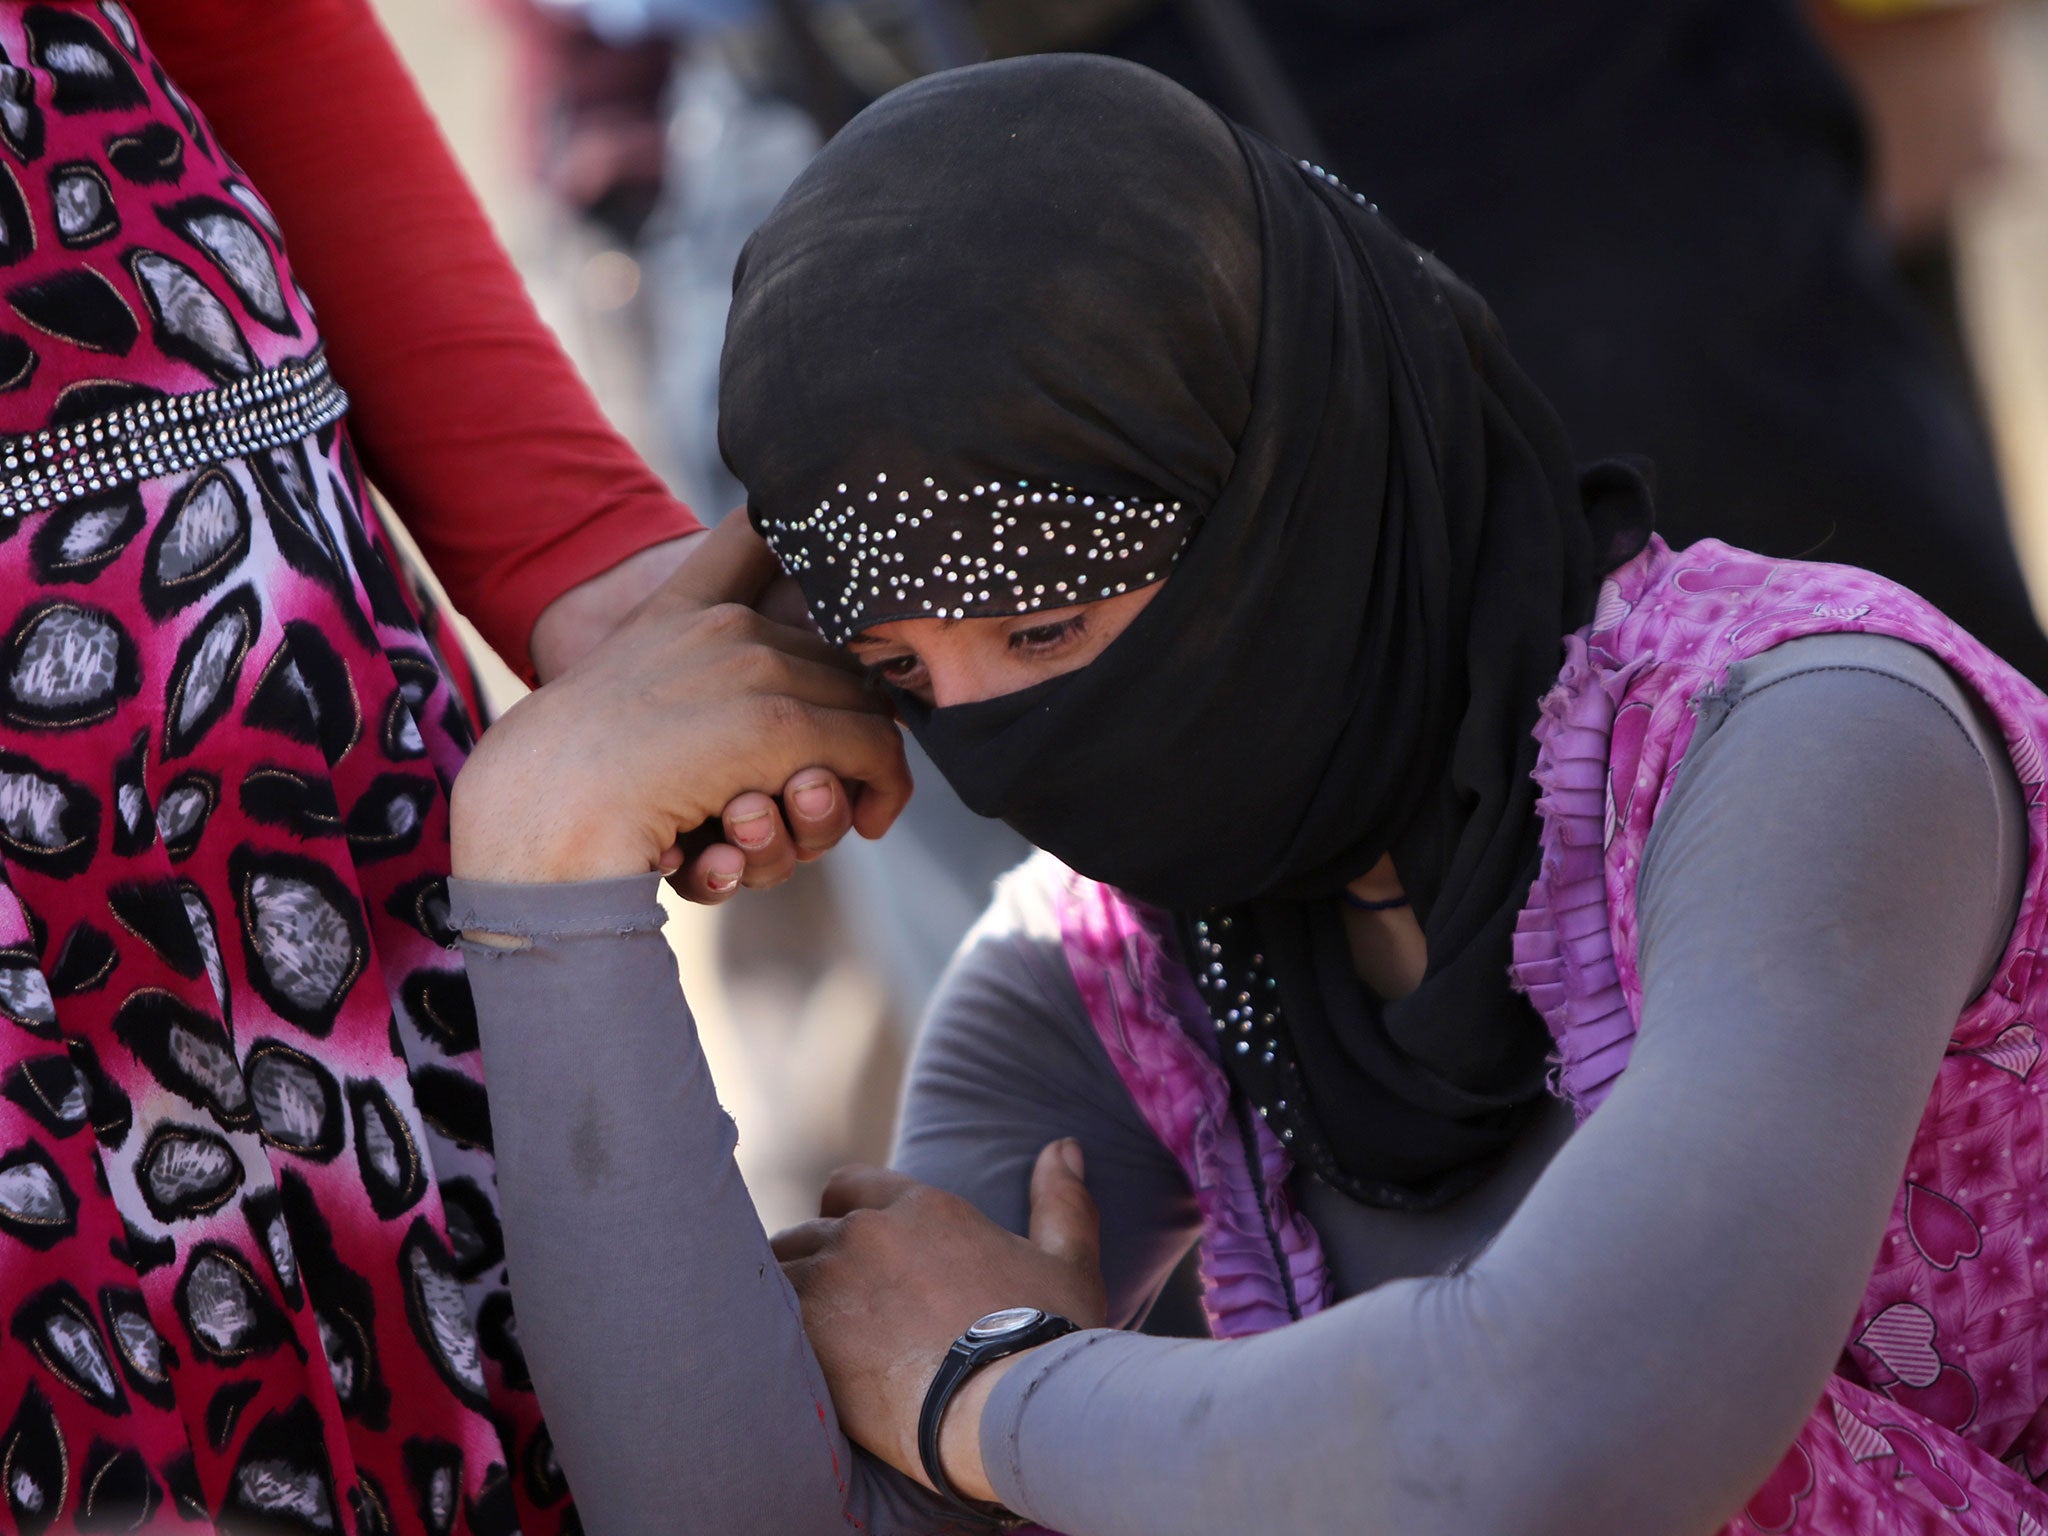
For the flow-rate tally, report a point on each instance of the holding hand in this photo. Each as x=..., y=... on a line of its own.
x=894, y=1271
x=679, y=720
x=576, y=623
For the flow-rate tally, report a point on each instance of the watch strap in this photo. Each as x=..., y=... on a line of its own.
x=954, y=1370
x=966, y=1357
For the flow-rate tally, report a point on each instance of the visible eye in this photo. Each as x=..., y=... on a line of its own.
x=904, y=671
x=1044, y=639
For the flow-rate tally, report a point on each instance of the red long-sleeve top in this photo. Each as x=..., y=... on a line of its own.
x=467, y=413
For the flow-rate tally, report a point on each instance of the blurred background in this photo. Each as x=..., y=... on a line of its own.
x=624, y=149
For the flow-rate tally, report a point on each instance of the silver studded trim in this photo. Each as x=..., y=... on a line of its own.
x=1104, y=545
x=1234, y=1009
x=1324, y=176
x=1256, y=1048
x=40, y=470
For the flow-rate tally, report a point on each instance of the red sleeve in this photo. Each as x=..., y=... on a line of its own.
x=468, y=414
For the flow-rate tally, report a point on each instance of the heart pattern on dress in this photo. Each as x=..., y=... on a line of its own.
x=2016, y=1050
x=1942, y=1230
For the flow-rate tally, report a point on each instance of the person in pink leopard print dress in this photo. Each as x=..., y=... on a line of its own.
x=251, y=1276
x=1579, y=995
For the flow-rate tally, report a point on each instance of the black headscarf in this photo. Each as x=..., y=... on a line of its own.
x=1067, y=271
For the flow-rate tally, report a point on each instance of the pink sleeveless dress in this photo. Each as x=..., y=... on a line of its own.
x=1936, y=1419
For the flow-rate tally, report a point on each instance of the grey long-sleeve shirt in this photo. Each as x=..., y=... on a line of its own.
x=1831, y=881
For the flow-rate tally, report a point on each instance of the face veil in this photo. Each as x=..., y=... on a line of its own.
x=1063, y=284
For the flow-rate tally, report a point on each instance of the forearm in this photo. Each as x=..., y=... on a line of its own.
x=1607, y=1365
x=1642, y=1342
x=667, y=1348
x=467, y=411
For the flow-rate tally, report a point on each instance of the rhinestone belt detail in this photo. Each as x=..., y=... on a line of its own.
x=167, y=436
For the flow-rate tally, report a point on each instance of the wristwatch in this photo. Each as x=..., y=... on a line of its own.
x=989, y=1338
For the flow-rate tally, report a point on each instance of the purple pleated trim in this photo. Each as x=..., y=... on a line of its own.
x=1564, y=946
x=1137, y=996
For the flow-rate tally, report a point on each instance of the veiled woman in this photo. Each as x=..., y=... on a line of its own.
x=1576, y=993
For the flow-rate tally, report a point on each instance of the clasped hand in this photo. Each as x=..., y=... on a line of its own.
x=893, y=1271
x=699, y=739
x=635, y=760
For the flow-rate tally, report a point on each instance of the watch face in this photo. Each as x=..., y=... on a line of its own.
x=999, y=1325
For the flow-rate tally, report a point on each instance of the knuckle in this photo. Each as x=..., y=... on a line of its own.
x=727, y=621
x=804, y=1235
x=863, y=1229
x=923, y=1202
x=780, y=714
x=761, y=667
x=837, y=1180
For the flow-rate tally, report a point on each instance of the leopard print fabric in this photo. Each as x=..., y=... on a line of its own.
x=250, y=1262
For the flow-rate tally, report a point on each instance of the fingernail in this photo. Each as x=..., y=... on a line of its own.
x=1070, y=1154
x=722, y=883
x=753, y=831
x=812, y=800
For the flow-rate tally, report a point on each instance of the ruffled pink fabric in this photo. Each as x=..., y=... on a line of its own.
x=1564, y=946
x=1936, y=1421
x=1137, y=1006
